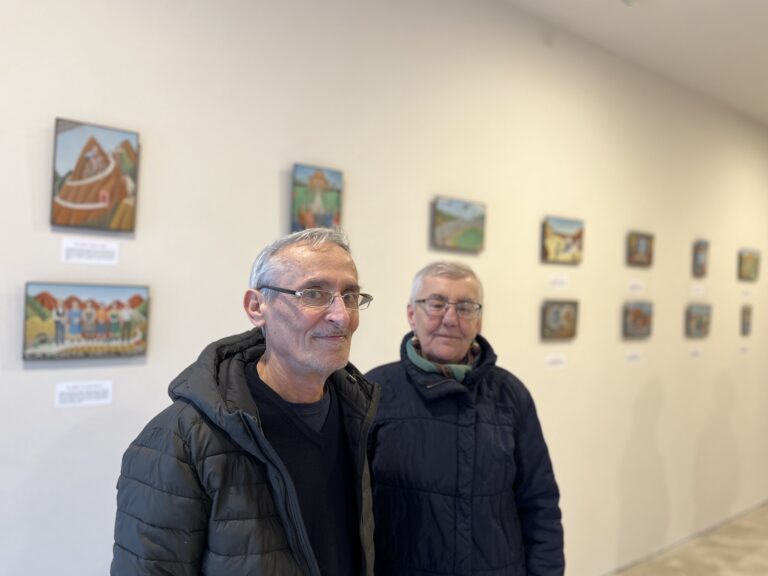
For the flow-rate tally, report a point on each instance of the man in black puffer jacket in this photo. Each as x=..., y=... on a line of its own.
x=259, y=466
x=463, y=483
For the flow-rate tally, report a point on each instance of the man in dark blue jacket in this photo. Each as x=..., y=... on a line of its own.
x=463, y=483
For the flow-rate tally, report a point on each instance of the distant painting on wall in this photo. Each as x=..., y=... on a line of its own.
x=84, y=320
x=95, y=177
x=639, y=249
x=700, y=258
x=638, y=317
x=559, y=319
x=746, y=319
x=562, y=240
x=457, y=225
x=749, y=262
x=698, y=318
x=316, y=197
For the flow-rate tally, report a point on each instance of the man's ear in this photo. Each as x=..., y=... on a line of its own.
x=411, y=312
x=253, y=305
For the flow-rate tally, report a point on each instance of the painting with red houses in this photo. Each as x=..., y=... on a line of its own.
x=85, y=320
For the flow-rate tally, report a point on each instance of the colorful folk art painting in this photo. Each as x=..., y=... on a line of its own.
x=85, y=320
x=562, y=240
x=95, y=177
x=559, y=319
x=698, y=319
x=458, y=225
x=700, y=258
x=749, y=264
x=637, y=319
x=316, y=197
x=639, y=249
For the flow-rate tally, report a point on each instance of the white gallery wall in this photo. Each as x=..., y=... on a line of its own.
x=652, y=440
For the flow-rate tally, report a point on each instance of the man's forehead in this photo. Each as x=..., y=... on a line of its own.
x=326, y=263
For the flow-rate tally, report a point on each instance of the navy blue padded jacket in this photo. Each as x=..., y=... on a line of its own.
x=462, y=479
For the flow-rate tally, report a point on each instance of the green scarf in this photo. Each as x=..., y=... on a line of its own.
x=455, y=371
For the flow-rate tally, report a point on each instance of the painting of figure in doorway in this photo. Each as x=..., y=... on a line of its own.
x=95, y=177
x=84, y=320
x=316, y=197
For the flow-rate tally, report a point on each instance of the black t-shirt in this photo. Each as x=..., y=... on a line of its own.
x=310, y=440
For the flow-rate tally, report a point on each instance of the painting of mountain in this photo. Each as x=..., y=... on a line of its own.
x=95, y=177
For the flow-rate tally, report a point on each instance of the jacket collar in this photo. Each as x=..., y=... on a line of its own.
x=432, y=386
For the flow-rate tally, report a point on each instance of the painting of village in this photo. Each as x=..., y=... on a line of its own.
x=316, y=197
x=95, y=177
x=638, y=317
x=562, y=240
x=85, y=320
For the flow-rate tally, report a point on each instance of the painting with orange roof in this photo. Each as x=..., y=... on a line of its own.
x=316, y=197
x=84, y=320
x=95, y=176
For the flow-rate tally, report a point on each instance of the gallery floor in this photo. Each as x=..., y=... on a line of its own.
x=738, y=548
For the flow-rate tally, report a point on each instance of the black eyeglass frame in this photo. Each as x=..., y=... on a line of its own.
x=361, y=304
x=461, y=313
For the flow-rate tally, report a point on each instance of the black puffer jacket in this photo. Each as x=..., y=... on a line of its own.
x=463, y=483
x=201, y=491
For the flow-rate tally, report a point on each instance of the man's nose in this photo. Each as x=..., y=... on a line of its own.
x=337, y=309
x=450, y=316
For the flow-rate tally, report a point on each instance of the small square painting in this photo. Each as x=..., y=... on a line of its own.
x=95, y=177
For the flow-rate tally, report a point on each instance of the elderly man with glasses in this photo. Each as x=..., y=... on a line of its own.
x=259, y=466
x=462, y=478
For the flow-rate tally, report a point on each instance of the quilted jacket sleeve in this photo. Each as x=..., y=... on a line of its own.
x=162, y=509
x=538, y=498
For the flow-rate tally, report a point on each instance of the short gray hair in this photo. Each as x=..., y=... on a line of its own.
x=268, y=263
x=444, y=269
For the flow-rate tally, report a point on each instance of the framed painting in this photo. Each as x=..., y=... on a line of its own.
x=700, y=258
x=698, y=318
x=639, y=249
x=562, y=240
x=637, y=320
x=746, y=319
x=749, y=262
x=95, y=177
x=84, y=320
x=559, y=319
x=457, y=225
x=315, y=197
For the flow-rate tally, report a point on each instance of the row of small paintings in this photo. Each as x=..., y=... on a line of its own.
x=559, y=320
x=95, y=185
x=562, y=242
x=99, y=320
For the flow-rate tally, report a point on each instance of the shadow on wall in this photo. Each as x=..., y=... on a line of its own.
x=644, y=507
x=716, y=473
x=79, y=469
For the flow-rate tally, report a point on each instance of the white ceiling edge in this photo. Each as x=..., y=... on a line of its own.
x=718, y=48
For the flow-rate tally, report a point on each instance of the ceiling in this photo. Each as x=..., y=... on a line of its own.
x=715, y=47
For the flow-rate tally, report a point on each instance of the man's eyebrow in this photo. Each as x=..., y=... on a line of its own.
x=325, y=283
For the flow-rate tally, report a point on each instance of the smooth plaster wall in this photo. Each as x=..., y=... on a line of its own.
x=410, y=99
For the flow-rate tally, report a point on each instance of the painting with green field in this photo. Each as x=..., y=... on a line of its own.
x=84, y=320
x=458, y=225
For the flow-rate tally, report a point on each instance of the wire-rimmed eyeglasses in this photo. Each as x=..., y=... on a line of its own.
x=438, y=306
x=317, y=298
